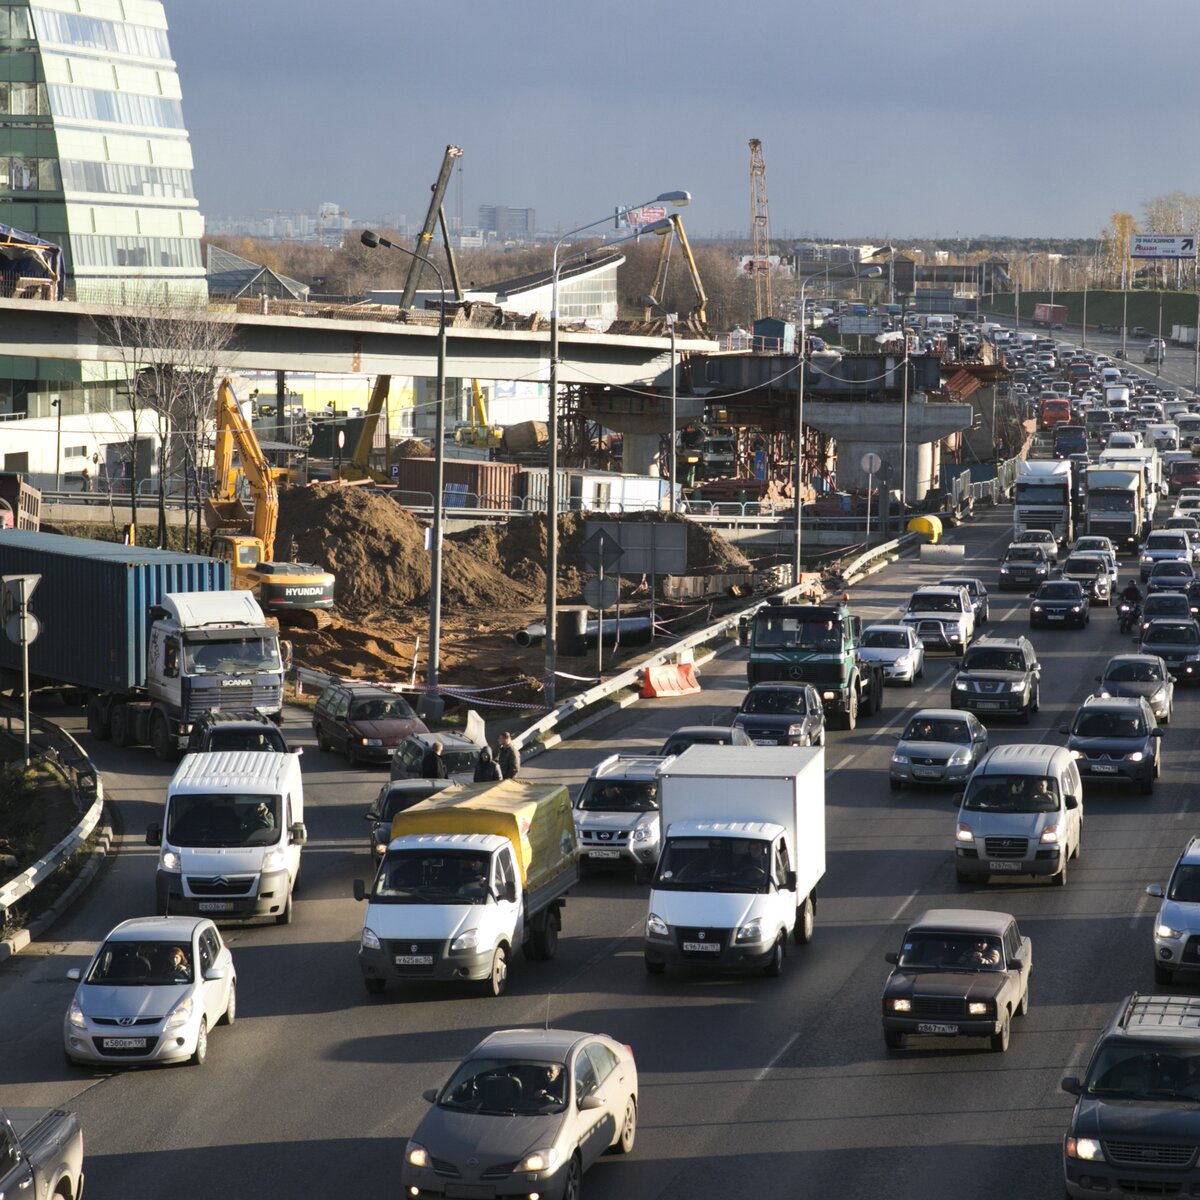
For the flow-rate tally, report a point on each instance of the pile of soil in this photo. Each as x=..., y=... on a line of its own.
x=411, y=448
x=377, y=551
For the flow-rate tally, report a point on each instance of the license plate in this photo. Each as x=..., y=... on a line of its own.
x=467, y=1191
x=930, y=1027
x=123, y=1043
x=990, y=704
x=925, y=773
x=765, y=742
x=414, y=960
x=604, y=854
x=1004, y=866
x=215, y=905
x=711, y=947
x=1105, y=768
x=1056, y=616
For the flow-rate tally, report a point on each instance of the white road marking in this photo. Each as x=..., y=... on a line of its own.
x=783, y=1050
x=848, y=759
x=1140, y=911
x=940, y=680
x=911, y=897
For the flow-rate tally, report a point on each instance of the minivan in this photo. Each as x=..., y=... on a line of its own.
x=1021, y=814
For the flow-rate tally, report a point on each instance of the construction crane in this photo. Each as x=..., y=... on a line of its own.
x=298, y=594
x=698, y=318
x=479, y=432
x=760, y=233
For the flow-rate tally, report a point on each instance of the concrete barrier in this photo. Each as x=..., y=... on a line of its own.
x=678, y=679
x=938, y=554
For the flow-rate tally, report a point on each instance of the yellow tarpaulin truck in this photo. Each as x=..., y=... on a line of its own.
x=470, y=875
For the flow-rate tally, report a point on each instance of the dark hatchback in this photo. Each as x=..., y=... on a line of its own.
x=1059, y=602
x=394, y=798
x=1143, y=675
x=1115, y=741
x=1170, y=576
x=782, y=714
x=364, y=722
x=1177, y=643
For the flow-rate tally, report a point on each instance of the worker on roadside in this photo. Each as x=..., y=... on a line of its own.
x=487, y=769
x=509, y=757
x=433, y=765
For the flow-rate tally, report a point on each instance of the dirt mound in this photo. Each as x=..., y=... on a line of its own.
x=377, y=551
x=411, y=448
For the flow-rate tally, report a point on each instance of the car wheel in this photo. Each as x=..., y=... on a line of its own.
x=545, y=939
x=1163, y=974
x=97, y=725
x=573, y=1183
x=322, y=740
x=285, y=917
x=1060, y=880
x=497, y=979
x=893, y=1039
x=351, y=754
x=160, y=738
x=774, y=967
x=897, y=785
x=654, y=967
x=999, y=1041
x=921, y=670
x=806, y=920
x=1023, y=1003
x=231, y=1013
x=201, y=1051
x=1037, y=699
x=119, y=723
x=624, y=1144
x=375, y=987
x=1027, y=712
x=851, y=714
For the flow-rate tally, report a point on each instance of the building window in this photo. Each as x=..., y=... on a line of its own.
x=127, y=179
x=94, y=250
x=75, y=452
x=23, y=100
x=119, y=108
x=14, y=23
x=89, y=33
x=21, y=174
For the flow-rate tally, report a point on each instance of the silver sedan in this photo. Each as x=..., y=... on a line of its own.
x=938, y=746
x=151, y=993
x=898, y=648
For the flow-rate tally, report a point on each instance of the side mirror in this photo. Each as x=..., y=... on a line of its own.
x=372, y=815
x=298, y=834
x=1155, y=890
x=153, y=835
x=790, y=881
x=297, y=750
x=75, y=974
x=1013, y=964
x=892, y=957
x=1070, y=801
x=214, y=973
x=1063, y=730
x=430, y=1094
x=957, y=797
x=1157, y=733
x=590, y=1103
x=360, y=890
x=1072, y=1086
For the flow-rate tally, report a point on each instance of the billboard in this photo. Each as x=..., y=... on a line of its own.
x=646, y=215
x=1162, y=245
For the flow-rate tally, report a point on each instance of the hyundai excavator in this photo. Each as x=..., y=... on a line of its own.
x=297, y=594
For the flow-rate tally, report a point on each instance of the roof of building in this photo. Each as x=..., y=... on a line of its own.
x=231, y=275
x=596, y=261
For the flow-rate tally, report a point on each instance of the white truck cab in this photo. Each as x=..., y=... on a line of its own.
x=230, y=838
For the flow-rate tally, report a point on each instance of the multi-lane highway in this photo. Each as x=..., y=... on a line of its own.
x=750, y=1086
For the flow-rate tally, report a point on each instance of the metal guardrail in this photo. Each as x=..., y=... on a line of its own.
x=60, y=749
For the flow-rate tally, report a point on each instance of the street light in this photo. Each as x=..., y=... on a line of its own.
x=56, y=404
x=371, y=241
x=650, y=302
x=863, y=273
x=679, y=199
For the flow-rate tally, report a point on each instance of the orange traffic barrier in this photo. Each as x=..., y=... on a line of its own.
x=679, y=680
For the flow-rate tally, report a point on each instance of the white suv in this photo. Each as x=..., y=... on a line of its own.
x=942, y=616
x=1177, y=929
x=1042, y=538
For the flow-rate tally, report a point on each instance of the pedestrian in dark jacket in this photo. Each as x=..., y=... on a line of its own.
x=433, y=765
x=509, y=757
x=487, y=769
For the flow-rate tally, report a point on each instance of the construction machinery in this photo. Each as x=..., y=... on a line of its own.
x=298, y=594
x=479, y=432
x=697, y=319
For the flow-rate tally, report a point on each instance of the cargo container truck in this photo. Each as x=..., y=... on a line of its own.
x=1050, y=316
x=1043, y=498
x=1115, y=507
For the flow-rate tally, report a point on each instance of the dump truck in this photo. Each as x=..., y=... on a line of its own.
x=469, y=875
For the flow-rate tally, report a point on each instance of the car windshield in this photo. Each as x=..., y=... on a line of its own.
x=1166, y=604
x=1134, y=672
x=1185, y=884
x=677, y=745
x=720, y=864
x=142, y=964
x=1026, y=554
x=1171, y=570
x=505, y=1087
x=971, y=585
x=1059, y=591
x=1108, y=725
x=432, y=877
x=1078, y=565
x=222, y=819
x=619, y=795
x=267, y=738
x=1171, y=541
x=781, y=701
x=1012, y=793
x=932, y=950
x=397, y=799
x=885, y=639
x=993, y=658
x=1144, y=1071
x=791, y=633
x=381, y=708
x=934, y=602
x=937, y=729
x=238, y=656
x=1172, y=633
x=460, y=762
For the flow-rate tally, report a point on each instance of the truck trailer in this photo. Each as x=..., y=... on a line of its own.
x=1043, y=498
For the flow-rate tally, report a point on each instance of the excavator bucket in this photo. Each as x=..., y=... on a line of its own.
x=227, y=514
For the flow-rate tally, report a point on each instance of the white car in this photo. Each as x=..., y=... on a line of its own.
x=1039, y=537
x=151, y=993
x=942, y=616
x=898, y=648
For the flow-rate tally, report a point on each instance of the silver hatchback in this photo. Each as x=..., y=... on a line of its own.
x=939, y=746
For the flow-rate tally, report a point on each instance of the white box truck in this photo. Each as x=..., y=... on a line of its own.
x=743, y=852
x=230, y=839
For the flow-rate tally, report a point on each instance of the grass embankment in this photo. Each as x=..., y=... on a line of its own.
x=1106, y=308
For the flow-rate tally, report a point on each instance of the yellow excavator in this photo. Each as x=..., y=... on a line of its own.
x=297, y=594
x=479, y=432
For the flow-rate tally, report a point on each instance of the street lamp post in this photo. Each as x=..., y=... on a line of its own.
x=679, y=199
x=863, y=273
x=372, y=240
x=56, y=404
x=651, y=302
x=1158, y=349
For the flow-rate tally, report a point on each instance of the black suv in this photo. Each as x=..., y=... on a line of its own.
x=214, y=731
x=1023, y=565
x=782, y=714
x=1177, y=643
x=1133, y=1128
x=1115, y=740
x=1060, y=602
x=998, y=675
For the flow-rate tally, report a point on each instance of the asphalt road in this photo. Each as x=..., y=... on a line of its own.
x=749, y=1086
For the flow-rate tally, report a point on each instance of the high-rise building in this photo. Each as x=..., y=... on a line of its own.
x=507, y=224
x=94, y=153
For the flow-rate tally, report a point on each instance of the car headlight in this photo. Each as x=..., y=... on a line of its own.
x=75, y=1017
x=1134, y=756
x=1076, y=753
x=960, y=685
x=371, y=741
x=1003, y=570
x=964, y=833
x=168, y=860
x=903, y=662
x=1017, y=686
x=828, y=695
x=1050, y=834
x=273, y=860
x=1037, y=608
x=645, y=833
x=900, y=1005
x=901, y=760
x=656, y=926
x=1145, y=560
x=1162, y=931
x=540, y=1160
x=978, y=1008
x=467, y=940
x=1159, y=697
x=1104, y=694
x=370, y=939
x=1087, y=1149
x=1076, y=607
x=959, y=758
x=1040, y=569
x=795, y=730
x=751, y=931
x=416, y=1155
x=182, y=1014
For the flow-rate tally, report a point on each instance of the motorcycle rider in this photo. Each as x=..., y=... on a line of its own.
x=1131, y=596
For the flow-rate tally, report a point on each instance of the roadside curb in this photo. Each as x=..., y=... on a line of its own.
x=20, y=939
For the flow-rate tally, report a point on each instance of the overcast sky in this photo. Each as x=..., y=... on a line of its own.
x=885, y=118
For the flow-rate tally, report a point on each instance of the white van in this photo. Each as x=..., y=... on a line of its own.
x=229, y=843
x=1021, y=814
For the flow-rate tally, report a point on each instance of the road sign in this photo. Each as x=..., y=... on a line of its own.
x=861, y=325
x=870, y=462
x=600, y=593
x=22, y=630
x=1162, y=245
x=601, y=550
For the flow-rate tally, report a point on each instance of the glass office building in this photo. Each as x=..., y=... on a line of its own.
x=94, y=153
